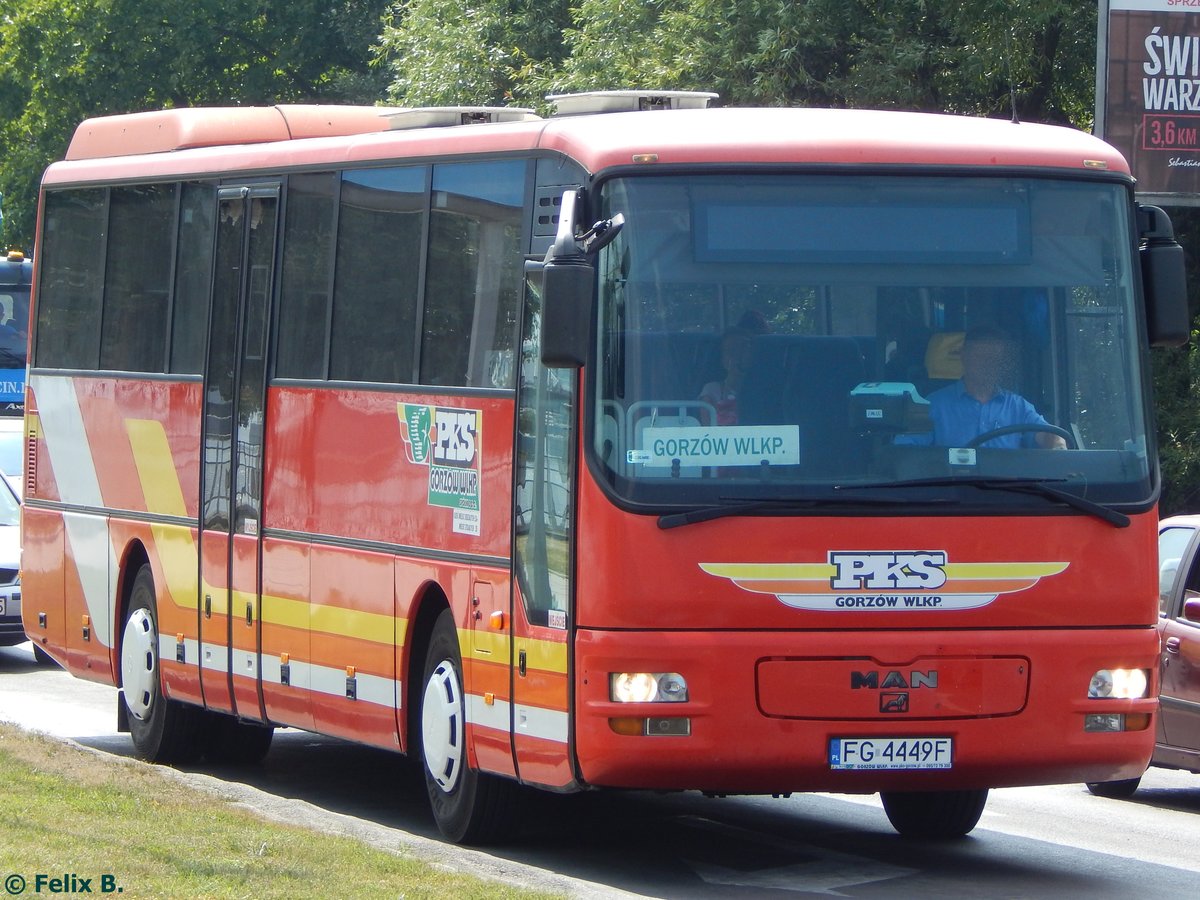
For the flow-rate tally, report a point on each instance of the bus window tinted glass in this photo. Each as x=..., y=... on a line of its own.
x=380, y=229
x=72, y=279
x=307, y=271
x=474, y=277
x=193, y=273
x=138, y=278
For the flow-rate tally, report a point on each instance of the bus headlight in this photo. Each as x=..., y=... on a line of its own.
x=647, y=687
x=1119, y=684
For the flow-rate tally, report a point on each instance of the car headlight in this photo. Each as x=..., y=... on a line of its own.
x=1119, y=684
x=647, y=687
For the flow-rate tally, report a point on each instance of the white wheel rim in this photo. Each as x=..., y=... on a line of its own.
x=139, y=664
x=442, y=722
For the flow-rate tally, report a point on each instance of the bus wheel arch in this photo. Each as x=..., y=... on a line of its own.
x=424, y=611
x=135, y=558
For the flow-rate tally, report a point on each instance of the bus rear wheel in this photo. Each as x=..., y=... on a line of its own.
x=936, y=815
x=470, y=807
x=163, y=730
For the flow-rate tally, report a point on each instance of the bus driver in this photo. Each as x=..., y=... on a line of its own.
x=977, y=404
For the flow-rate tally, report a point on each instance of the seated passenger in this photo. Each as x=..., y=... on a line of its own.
x=977, y=404
x=735, y=357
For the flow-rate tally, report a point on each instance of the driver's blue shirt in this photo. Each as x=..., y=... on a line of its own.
x=958, y=418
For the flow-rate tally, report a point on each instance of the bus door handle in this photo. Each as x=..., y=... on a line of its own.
x=1172, y=645
x=249, y=613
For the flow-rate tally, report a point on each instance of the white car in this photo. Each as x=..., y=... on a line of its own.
x=11, y=630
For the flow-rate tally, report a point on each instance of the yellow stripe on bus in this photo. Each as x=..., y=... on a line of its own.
x=491, y=646
x=176, y=548
x=156, y=467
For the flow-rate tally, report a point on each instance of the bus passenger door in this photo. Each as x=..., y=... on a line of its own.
x=542, y=587
x=231, y=489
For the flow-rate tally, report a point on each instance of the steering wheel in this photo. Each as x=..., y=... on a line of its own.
x=1020, y=428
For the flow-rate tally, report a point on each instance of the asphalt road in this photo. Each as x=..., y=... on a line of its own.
x=1047, y=842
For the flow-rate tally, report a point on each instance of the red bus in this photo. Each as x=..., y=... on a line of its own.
x=606, y=450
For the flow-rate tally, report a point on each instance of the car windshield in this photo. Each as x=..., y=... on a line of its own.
x=820, y=336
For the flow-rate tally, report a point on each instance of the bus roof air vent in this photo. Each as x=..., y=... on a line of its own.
x=441, y=116
x=592, y=102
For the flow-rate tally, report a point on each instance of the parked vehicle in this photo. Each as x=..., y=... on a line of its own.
x=1177, y=741
x=12, y=452
x=11, y=630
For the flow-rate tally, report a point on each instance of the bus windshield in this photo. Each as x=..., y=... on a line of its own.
x=807, y=337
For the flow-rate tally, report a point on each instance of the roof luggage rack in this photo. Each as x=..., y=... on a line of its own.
x=592, y=102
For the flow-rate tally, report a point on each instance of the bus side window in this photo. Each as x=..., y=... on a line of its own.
x=474, y=276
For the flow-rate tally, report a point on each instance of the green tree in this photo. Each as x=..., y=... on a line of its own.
x=468, y=52
x=62, y=61
x=934, y=55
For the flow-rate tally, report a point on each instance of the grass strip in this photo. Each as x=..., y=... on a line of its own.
x=131, y=831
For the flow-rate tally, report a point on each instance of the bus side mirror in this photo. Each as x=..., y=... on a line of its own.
x=568, y=291
x=569, y=284
x=1164, y=280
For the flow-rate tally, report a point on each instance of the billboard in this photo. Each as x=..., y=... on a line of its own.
x=1148, y=93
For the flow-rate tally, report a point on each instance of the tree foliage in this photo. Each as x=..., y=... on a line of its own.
x=935, y=55
x=62, y=61
x=467, y=52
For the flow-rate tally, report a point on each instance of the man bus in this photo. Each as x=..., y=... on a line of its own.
x=388, y=425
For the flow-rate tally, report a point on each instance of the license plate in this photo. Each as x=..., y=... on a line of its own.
x=891, y=753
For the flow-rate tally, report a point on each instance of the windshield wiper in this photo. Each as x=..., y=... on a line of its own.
x=743, y=506
x=1038, y=487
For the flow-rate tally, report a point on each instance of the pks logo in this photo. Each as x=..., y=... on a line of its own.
x=907, y=570
x=883, y=580
x=447, y=440
x=455, y=433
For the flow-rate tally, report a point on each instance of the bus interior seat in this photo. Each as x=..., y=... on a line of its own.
x=807, y=379
x=943, y=362
x=670, y=366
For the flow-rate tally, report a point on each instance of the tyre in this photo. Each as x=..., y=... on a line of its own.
x=42, y=658
x=1115, y=790
x=470, y=807
x=163, y=730
x=936, y=815
x=228, y=741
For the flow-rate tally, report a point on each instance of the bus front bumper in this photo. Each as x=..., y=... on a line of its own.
x=798, y=711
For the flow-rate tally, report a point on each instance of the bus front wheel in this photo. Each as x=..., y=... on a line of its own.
x=163, y=730
x=936, y=815
x=470, y=807
x=1115, y=790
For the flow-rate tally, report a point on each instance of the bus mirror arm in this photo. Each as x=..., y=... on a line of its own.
x=601, y=234
x=1164, y=279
